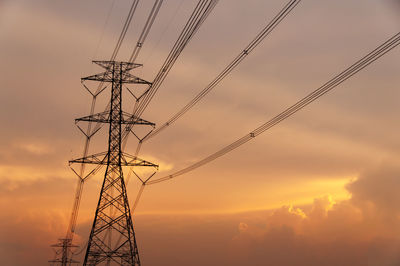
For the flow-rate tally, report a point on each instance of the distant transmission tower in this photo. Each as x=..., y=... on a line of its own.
x=112, y=238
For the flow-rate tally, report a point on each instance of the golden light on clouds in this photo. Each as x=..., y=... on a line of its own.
x=319, y=189
x=293, y=193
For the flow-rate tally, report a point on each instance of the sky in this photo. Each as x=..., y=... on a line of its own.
x=321, y=188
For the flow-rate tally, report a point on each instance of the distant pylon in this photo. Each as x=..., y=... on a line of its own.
x=64, y=245
x=112, y=238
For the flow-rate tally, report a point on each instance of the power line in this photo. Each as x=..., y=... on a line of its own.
x=146, y=29
x=325, y=88
x=139, y=44
x=248, y=49
x=196, y=19
x=201, y=12
x=232, y=65
x=124, y=29
x=164, y=30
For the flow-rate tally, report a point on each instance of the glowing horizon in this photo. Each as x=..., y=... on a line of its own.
x=321, y=187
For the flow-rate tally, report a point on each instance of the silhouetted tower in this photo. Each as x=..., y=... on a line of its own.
x=112, y=238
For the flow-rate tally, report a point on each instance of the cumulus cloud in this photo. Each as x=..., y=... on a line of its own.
x=359, y=231
x=351, y=232
x=327, y=232
x=379, y=187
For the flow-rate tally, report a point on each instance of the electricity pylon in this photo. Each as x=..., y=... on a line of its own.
x=112, y=238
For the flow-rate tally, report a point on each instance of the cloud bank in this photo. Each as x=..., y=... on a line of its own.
x=364, y=230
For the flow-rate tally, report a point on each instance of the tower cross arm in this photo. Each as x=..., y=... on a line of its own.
x=103, y=77
x=132, y=79
x=98, y=158
x=131, y=119
x=127, y=78
x=131, y=160
x=101, y=158
x=126, y=66
x=103, y=117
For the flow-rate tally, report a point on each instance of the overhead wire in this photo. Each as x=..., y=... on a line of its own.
x=365, y=61
x=231, y=66
x=81, y=180
x=138, y=196
x=164, y=30
x=125, y=28
x=196, y=19
x=248, y=49
x=146, y=29
x=201, y=12
x=139, y=44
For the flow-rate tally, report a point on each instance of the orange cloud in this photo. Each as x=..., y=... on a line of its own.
x=328, y=233
x=363, y=230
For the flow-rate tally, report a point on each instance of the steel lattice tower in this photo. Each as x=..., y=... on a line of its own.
x=112, y=237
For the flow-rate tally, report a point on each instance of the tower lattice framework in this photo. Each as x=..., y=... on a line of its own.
x=112, y=238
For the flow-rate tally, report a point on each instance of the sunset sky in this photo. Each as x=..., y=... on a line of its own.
x=321, y=188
